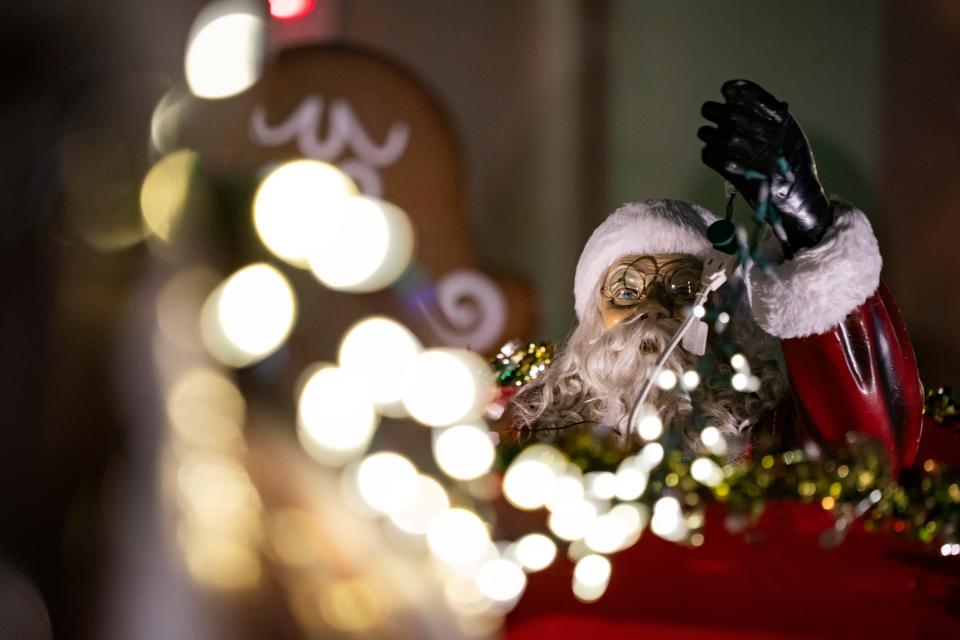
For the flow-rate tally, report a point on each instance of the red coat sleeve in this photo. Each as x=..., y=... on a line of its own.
x=860, y=376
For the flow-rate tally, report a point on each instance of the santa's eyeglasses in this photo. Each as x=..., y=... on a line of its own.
x=629, y=283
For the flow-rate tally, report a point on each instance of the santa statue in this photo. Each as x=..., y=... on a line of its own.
x=814, y=286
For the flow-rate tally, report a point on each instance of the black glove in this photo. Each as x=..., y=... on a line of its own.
x=756, y=136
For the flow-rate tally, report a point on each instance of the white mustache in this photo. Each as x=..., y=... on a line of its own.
x=642, y=334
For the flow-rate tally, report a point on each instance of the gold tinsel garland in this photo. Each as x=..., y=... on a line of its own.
x=516, y=364
x=923, y=504
x=939, y=404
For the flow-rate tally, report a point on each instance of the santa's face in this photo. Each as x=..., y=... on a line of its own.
x=610, y=355
x=655, y=287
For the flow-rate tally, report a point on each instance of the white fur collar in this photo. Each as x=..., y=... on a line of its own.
x=821, y=285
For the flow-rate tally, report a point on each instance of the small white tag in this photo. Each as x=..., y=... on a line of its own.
x=695, y=339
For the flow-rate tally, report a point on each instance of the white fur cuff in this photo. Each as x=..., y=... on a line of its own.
x=821, y=285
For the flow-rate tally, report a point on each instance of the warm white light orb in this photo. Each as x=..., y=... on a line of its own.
x=365, y=247
x=650, y=456
x=528, y=484
x=224, y=50
x=464, y=452
x=216, y=489
x=293, y=206
x=166, y=120
x=713, y=440
x=464, y=597
x=667, y=380
x=535, y=551
x=690, y=380
x=458, y=538
x=249, y=316
x=165, y=190
x=706, y=472
x=447, y=386
x=552, y=457
x=667, y=520
x=606, y=534
x=577, y=549
x=431, y=501
x=739, y=381
x=710, y=436
x=567, y=488
x=206, y=410
x=219, y=560
x=388, y=482
x=501, y=580
x=573, y=521
x=738, y=361
x=380, y=351
x=650, y=427
x=590, y=577
x=335, y=416
x=633, y=516
x=631, y=479
x=601, y=484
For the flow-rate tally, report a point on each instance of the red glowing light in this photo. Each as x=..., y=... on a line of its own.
x=291, y=9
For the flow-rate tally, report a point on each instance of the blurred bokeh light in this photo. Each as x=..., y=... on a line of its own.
x=459, y=538
x=179, y=306
x=529, y=481
x=388, y=482
x=291, y=9
x=225, y=49
x=207, y=410
x=335, y=415
x=573, y=520
x=380, y=352
x=464, y=451
x=431, y=501
x=606, y=534
x=631, y=479
x=249, y=316
x=501, y=580
x=667, y=519
x=293, y=203
x=446, y=386
x=163, y=196
x=364, y=246
x=535, y=551
x=590, y=577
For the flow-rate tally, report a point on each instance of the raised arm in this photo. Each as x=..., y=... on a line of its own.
x=848, y=354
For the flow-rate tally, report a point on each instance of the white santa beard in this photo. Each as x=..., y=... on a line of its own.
x=599, y=375
x=615, y=366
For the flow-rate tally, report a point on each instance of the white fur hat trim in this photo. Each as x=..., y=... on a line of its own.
x=650, y=226
x=820, y=286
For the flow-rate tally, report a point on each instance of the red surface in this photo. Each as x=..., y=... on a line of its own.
x=783, y=584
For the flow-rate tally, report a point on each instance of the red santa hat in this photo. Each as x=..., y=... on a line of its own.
x=803, y=296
